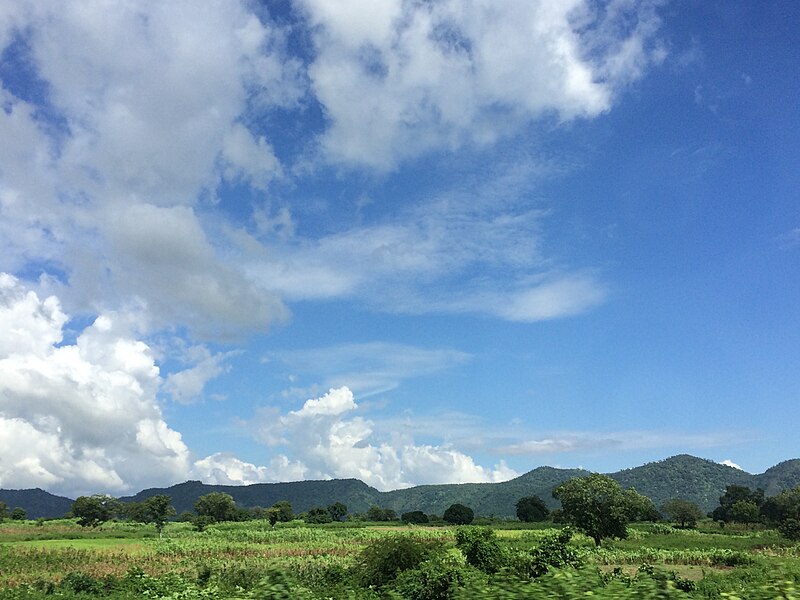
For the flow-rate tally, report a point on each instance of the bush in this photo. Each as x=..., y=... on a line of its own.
x=790, y=529
x=552, y=552
x=415, y=516
x=481, y=548
x=382, y=560
x=435, y=579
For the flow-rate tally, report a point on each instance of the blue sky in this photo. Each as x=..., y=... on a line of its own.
x=406, y=242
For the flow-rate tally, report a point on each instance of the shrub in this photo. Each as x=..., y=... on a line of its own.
x=790, y=529
x=382, y=560
x=480, y=548
x=435, y=579
x=414, y=516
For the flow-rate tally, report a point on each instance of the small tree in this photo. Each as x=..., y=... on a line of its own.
x=337, y=511
x=595, y=505
x=18, y=514
x=3, y=511
x=531, y=509
x=217, y=506
x=415, y=516
x=92, y=511
x=318, y=515
x=285, y=512
x=376, y=513
x=158, y=509
x=458, y=514
x=684, y=512
x=744, y=511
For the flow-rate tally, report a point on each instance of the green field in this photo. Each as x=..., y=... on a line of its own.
x=251, y=559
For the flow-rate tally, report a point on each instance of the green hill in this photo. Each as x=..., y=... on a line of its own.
x=683, y=476
x=37, y=503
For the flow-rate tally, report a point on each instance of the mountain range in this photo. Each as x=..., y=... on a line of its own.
x=700, y=480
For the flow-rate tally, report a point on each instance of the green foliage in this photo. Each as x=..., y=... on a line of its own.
x=684, y=512
x=155, y=509
x=285, y=511
x=595, y=505
x=481, y=548
x=437, y=578
x=318, y=515
x=790, y=529
x=531, y=509
x=458, y=514
x=552, y=552
x=18, y=514
x=383, y=559
x=640, y=508
x=376, y=513
x=337, y=511
x=415, y=516
x=744, y=511
x=217, y=506
x=734, y=494
x=92, y=511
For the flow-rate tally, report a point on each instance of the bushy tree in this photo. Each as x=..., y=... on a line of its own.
x=732, y=495
x=595, y=505
x=684, y=512
x=92, y=511
x=285, y=511
x=790, y=529
x=318, y=515
x=18, y=514
x=382, y=560
x=744, y=511
x=415, y=516
x=337, y=511
x=155, y=509
x=531, y=509
x=640, y=508
x=3, y=511
x=480, y=548
x=458, y=514
x=217, y=506
x=376, y=513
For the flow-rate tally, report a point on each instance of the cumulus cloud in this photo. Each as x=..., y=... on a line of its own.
x=87, y=411
x=330, y=440
x=404, y=78
x=729, y=463
x=129, y=119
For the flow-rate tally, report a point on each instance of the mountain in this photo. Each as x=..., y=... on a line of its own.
x=303, y=495
x=37, y=503
x=683, y=476
x=697, y=479
x=780, y=477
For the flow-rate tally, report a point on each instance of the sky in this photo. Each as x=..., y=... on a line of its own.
x=407, y=242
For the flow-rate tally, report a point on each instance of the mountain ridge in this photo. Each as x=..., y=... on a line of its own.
x=681, y=476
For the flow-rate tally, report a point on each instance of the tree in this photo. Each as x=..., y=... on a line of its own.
x=458, y=514
x=337, y=511
x=640, y=508
x=157, y=510
x=318, y=515
x=376, y=513
x=684, y=512
x=531, y=509
x=218, y=506
x=92, y=511
x=732, y=495
x=744, y=511
x=18, y=514
x=595, y=505
x=3, y=511
x=415, y=516
x=285, y=512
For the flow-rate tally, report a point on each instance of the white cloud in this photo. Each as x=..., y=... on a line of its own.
x=139, y=122
x=729, y=463
x=87, y=411
x=225, y=469
x=325, y=439
x=403, y=78
x=187, y=385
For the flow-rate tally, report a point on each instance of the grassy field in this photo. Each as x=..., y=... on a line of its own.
x=58, y=559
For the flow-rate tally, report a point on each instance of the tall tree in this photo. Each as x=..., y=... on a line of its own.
x=95, y=510
x=458, y=514
x=217, y=506
x=595, y=505
x=684, y=512
x=337, y=511
x=531, y=508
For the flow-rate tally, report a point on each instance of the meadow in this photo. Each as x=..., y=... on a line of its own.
x=252, y=559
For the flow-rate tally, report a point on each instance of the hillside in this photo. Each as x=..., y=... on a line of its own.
x=683, y=476
x=37, y=503
x=697, y=479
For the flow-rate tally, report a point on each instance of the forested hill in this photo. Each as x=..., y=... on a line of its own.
x=683, y=476
x=36, y=503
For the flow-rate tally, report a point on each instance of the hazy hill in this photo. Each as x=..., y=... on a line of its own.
x=37, y=503
x=683, y=476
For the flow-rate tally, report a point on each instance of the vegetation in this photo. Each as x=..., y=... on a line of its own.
x=458, y=514
x=686, y=513
x=596, y=505
x=531, y=509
